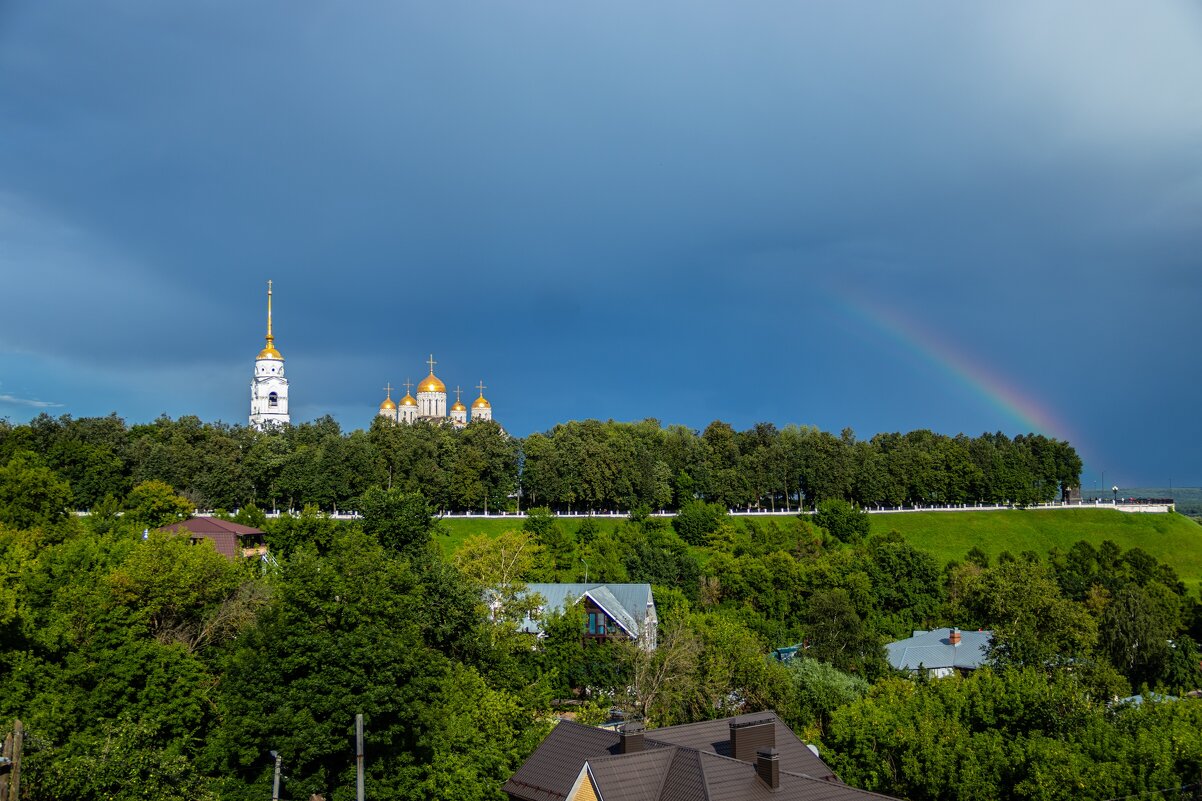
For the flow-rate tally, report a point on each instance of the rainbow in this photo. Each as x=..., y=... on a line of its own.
x=970, y=371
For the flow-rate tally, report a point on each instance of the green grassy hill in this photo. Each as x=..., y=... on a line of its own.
x=1172, y=538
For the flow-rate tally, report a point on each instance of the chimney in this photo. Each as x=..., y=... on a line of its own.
x=767, y=765
x=630, y=738
x=749, y=733
x=954, y=637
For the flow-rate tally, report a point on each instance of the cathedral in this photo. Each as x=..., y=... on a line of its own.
x=269, y=394
x=269, y=388
x=431, y=403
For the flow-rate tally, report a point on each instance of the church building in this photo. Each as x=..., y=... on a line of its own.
x=269, y=388
x=431, y=403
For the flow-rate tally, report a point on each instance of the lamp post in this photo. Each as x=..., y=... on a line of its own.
x=1115, y=490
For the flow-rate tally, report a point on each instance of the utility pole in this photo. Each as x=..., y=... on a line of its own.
x=10, y=758
x=275, y=783
x=359, y=755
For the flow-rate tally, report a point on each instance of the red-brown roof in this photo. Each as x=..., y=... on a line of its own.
x=225, y=536
x=211, y=525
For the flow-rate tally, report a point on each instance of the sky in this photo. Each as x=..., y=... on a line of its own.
x=876, y=215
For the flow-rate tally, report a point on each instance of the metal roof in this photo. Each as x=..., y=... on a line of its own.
x=678, y=763
x=627, y=604
x=933, y=650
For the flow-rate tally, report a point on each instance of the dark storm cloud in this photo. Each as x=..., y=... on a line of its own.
x=618, y=210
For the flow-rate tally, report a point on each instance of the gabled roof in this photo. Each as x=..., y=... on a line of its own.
x=933, y=650
x=552, y=769
x=627, y=604
x=210, y=525
x=678, y=763
x=714, y=736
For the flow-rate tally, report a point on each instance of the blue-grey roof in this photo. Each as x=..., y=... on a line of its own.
x=934, y=650
x=627, y=604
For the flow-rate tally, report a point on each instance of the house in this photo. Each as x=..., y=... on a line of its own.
x=614, y=611
x=230, y=539
x=747, y=757
x=941, y=652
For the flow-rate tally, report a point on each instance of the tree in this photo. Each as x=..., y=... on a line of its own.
x=696, y=520
x=155, y=504
x=31, y=495
x=498, y=567
x=1137, y=629
x=1033, y=625
x=844, y=521
x=400, y=521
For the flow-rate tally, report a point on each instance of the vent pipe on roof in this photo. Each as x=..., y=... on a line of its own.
x=767, y=765
x=954, y=637
x=631, y=738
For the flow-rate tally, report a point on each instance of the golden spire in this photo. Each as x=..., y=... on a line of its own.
x=408, y=400
x=269, y=351
x=480, y=402
x=431, y=383
x=388, y=404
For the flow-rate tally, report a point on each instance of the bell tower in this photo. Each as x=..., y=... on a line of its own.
x=269, y=388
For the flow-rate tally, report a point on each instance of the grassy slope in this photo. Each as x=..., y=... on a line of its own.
x=1174, y=539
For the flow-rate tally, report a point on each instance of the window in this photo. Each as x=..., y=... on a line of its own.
x=596, y=623
x=273, y=400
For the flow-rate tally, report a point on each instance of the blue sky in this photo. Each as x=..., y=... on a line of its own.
x=681, y=210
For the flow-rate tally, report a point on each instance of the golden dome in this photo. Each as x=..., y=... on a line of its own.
x=458, y=406
x=270, y=352
x=388, y=405
x=481, y=403
x=431, y=384
x=408, y=400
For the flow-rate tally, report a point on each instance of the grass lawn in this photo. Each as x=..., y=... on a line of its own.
x=1172, y=538
x=458, y=529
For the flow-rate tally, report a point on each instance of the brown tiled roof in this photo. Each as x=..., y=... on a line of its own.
x=681, y=763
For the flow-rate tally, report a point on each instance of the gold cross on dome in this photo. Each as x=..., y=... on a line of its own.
x=388, y=388
x=457, y=391
x=408, y=385
x=481, y=387
x=431, y=362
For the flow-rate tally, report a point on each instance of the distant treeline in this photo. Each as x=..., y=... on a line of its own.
x=576, y=466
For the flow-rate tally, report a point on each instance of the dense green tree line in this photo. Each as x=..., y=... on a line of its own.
x=576, y=466
x=146, y=667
